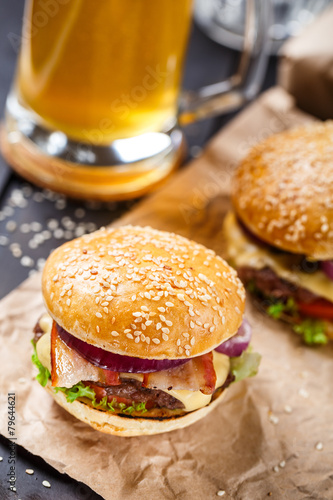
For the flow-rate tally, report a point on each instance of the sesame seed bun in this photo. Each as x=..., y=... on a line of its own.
x=128, y=426
x=283, y=190
x=144, y=293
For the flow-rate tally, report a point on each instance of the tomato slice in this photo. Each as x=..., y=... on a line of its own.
x=320, y=308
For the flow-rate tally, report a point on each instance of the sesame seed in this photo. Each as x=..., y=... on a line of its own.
x=68, y=302
x=303, y=393
x=144, y=308
x=98, y=314
x=128, y=330
x=161, y=309
x=46, y=484
x=137, y=314
x=29, y=471
x=273, y=419
x=165, y=337
x=288, y=409
x=282, y=464
x=169, y=304
x=192, y=325
x=156, y=341
x=97, y=329
x=133, y=297
x=165, y=330
x=129, y=336
x=220, y=493
x=106, y=310
x=319, y=446
x=162, y=318
x=158, y=326
x=148, y=322
x=187, y=352
x=276, y=468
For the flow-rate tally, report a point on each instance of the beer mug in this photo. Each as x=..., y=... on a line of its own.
x=95, y=110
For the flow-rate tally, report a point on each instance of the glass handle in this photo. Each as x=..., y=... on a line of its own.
x=232, y=93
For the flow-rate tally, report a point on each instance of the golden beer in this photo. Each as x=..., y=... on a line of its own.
x=106, y=69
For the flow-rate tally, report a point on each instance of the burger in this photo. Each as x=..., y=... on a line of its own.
x=143, y=332
x=280, y=234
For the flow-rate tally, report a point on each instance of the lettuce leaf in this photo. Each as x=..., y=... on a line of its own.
x=245, y=365
x=85, y=391
x=43, y=372
x=77, y=391
x=312, y=331
x=276, y=309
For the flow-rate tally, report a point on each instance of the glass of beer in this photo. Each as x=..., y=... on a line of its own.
x=94, y=111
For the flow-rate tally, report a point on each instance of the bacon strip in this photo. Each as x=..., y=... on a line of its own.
x=68, y=367
x=196, y=375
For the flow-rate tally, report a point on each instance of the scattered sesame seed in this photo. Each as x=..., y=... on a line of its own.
x=27, y=261
x=11, y=226
x=276, y=468
x=303, y=393
x=156, y=341
x=273, y=419
x=29, y=471
x=46, y=484
x=220, y=493
x=319, y=446
x=115, y=334
x=4, y=241
x=288, y=409
x=1, y=459
x=282, y=464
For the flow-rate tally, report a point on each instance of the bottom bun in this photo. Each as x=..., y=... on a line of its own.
x=129, y=426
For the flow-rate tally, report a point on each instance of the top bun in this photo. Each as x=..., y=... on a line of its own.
x=144, y=293
x=283, y=190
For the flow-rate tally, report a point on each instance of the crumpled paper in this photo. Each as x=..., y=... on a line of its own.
x=306, y=67
x=261, y=440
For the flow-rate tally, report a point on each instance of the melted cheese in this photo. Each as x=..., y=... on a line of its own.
x=245, y=252
x=192, y=400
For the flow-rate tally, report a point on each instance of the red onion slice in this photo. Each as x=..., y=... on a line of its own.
x=116, y=362
x=327, y=268
x=238, y=343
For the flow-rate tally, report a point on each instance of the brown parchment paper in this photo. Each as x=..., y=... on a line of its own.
x=306, y=67
x=237, y=446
